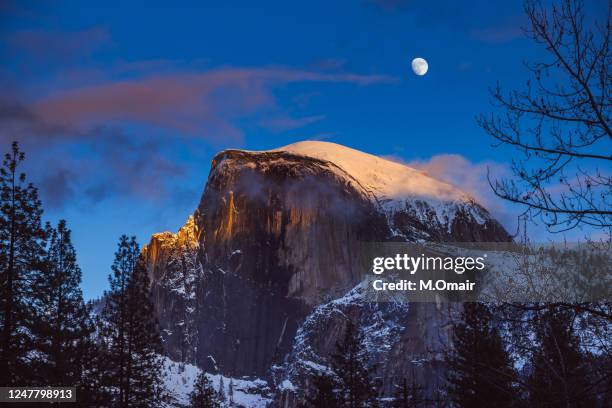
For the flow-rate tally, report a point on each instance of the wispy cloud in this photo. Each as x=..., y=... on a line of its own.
x=130, y=126
x=118, y=124
x=203, y=104
x=470, y=177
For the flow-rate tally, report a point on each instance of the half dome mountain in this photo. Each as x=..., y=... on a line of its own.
x=274, y=240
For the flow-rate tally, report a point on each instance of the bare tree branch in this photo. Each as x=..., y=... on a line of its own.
x=560, y=124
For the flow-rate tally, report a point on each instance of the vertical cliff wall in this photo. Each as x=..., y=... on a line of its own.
x=259, y=282
x=281, y=232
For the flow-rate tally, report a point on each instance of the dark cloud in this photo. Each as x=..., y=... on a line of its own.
x=204, y=105
x=97, y=159
x=58, y=46
x=19, y=121
x=507, y=30
x=505, y=25
x=187, y=105
x=136, y=167
x=57, y=187
x=98, y=192
x=91, y=167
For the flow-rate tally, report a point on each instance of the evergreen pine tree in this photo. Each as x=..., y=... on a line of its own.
x=348, y=362
x=230, y=392
x=325, y=389
x=144, y=364
x=480, y=369
x=94, y=390
x=62, y=327
x=113, y=322
x=408, y=395
x=221, y=392
x=21, y=250
x=203, y=394
x=560, y=372
x=130, y=332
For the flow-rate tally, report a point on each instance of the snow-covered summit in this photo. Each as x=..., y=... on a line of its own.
x=384, y=178
x=416, y=205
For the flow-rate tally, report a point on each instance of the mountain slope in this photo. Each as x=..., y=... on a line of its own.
x=274, y=240
x=417, y=206
x=384, y=179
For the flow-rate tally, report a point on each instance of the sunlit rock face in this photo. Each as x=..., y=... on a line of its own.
x=259, y=281
x=286, y=223
x=175, y=272
x=280, y=235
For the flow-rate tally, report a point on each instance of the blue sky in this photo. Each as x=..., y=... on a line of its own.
x=120, y=106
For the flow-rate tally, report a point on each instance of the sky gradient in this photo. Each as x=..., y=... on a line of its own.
x=120, y=107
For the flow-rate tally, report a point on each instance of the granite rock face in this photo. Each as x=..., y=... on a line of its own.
x=175, y=272
x=261, y=279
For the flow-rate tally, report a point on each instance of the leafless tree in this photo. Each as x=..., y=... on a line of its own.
x=560, y=122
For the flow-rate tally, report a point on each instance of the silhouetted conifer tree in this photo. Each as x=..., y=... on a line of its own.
x=349, y=363
x=480, y=369
x=203, y=394
x=408, y=395
x=221, y=392
x=61, y=326
x=94, y=390
x=21, y=251
x=144, y=365
x=129, y=328
x=560, y=375
x=114, y=317
x=230, y=392
x=325, y=393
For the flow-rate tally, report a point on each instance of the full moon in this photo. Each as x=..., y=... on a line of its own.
x=419, y=66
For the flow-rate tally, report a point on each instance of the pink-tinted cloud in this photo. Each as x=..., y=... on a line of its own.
x=97, y=114
x=122, y=122
x=193, y=104
x=470, y=177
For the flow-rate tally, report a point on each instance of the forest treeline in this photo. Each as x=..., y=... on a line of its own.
x=501, y=355
x=48, y=334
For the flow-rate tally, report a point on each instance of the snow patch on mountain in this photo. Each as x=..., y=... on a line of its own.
x=395, y=186
x=380, y=326
x=384, y=178
x=417, y=206
x=247, y=392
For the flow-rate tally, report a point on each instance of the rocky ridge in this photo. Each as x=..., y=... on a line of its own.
x=262, y=279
